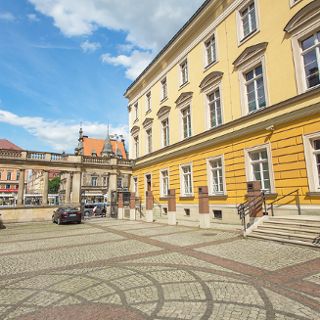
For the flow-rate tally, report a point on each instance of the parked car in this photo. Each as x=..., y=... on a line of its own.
x=66, y=214
x=94, y=209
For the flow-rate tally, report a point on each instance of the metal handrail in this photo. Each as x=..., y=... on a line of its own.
x=271, y=205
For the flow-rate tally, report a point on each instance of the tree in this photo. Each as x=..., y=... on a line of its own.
x=54, y=185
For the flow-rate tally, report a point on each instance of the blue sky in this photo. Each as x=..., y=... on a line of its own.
x=63, y=62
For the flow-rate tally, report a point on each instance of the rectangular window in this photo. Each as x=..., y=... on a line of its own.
x=316, y=157
x=148, y=101
x=18, y=175
x=119, y=183
x=255, y=89
x=248, y=20
x=149, y=140
x=164, y=183
x=186, y=180
x=216, y=178
x=214, y=103
x=165, y=132
x=184, y=72
x=186, y=122
x=259, y=167
x=211, y=50
x=105, y=181
x=9, y=175
x=135, y=185
x=136, y=146
x=164, y=89
x=136, y=111
x=94, y=181
x=311, y=59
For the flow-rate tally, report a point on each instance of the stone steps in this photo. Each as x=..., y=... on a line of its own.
x=303, y=230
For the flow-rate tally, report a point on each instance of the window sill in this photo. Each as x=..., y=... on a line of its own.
x=314, y=194
x=208, y=66
x=248, y=37
x=188, y=197
x=266, y=195
x=218, y=196
x=183, y=85
x=164, y=198
x=163, y=100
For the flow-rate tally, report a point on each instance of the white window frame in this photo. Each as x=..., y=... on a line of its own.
x=145, y=181
x=244, y=5
x=182, y=191
x=148, y=140
x=94, y=178
x=164, y=93
x=163, y=144
x=312, y=173
x=136, y=111
x=296, y=37
x=209, y=175
x=182, y=82
x=162, y=194
x=135, y=185
x=148, y=102
x=207, y=93
x=188, y=106
x=136, y=146
x=243, y=70
x=248, y=166
x=206, y=60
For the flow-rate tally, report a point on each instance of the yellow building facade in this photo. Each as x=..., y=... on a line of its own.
x=233, y=97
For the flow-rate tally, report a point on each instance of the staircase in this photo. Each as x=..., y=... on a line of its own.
x=303, y=230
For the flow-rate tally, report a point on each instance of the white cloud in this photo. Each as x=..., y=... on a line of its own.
x=7, y=16
x=57, y=134
x=133, y=63
x=88, y=46
x=148, y=24
x=33, y=17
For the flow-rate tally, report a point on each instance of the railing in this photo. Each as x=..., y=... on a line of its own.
x=271, y=205
x=10, y=154
x=36, y=155
x=125, y=162
x=246, y=208
x=88, y=159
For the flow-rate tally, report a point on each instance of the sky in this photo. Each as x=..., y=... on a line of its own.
x=66, y=62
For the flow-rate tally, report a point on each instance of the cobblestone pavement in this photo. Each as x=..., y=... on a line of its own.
x=109, y=269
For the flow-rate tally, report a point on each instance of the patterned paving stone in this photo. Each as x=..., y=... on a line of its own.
x=263, y=254
x=150, y=277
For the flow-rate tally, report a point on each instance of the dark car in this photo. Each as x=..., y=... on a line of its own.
x=66, y=214
x=94, y=209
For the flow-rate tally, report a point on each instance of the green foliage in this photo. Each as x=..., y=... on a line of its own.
x=54, y=185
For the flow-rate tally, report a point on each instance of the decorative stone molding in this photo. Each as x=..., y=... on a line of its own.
x=147, y=122
x=250, y=53
x=303, y=16
x=210, y=80
x=184, y=96
x=163, y=111
x=135, y=130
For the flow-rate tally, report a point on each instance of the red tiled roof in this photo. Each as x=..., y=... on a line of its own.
x=8, y=145
x=91, y=144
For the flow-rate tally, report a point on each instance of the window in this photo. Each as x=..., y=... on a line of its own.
x=186, y=122
x=248, y=20
x=164, y=89
x=18, y=175
x=136, y=111
x=9, y=175
x=165, y=132
x=164, y=183
x=148, y=101
x=119, y=183
x=135, y=185
x=214, y=103
x=186, y=180
x=136, y=146
x=210, y=50
x=312, y=155
x=216, y=176
x=8, y=186
x=259, y=168
x=149, y=140
x=94, y=181
x=184, y=72
x=105, y=181
x=311, y=59
x=255, y=90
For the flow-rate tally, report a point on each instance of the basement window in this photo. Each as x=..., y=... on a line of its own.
x=187, y=212
x=217, y=214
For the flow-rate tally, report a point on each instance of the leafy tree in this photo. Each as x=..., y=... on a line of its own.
x=54, y=185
